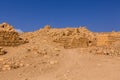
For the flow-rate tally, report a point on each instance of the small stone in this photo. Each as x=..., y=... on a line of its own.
x=46, y=56
x=21, y=65
x=15, y=66
x=44, y=52
x=53, y=62
x=28, y=49
x=6, y=67
x=56, y=49
x=35, y=52
x=3, y=69
x=57, y=54
x=3, y=52
x=2, y=59
x=27, y=65
x=26, y=79
x=9, y=68
x=1, y=48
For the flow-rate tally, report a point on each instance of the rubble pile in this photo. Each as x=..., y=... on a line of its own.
x=72, y=37
x=6, y=64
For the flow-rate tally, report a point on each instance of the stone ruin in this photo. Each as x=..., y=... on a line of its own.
x=81, y=37
x=106, y=43
x=107, y=39
x=67, y=37
x=9, y=37
x=72, y=37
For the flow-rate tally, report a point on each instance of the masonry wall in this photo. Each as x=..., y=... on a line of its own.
x=72, y=42
x=10, y=39
x=106, y=39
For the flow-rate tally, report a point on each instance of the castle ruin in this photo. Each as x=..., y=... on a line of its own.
x=9, y=36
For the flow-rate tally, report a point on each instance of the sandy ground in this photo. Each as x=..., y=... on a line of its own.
x=72, y=65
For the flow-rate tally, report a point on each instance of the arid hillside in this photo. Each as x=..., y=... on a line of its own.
x=59, y=54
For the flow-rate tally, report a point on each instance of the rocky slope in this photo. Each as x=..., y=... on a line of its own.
x=61, y=54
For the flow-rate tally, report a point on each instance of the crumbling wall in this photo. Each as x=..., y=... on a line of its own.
x=9, y=37
x=6, y=27
x=72, y=37
x=81, y=42
x=102, y=39
x=107, y=39
x=72, y=42
x=114, y=36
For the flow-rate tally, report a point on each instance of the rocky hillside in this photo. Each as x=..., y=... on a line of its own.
x=30, y=54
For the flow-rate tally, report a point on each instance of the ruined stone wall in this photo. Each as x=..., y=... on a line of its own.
x=102, y=39
x=115, y=36
x=80, y=37
x=107, y=38
x=81, y=42
x=10, y=39
x=71, y=37
x=72, y=42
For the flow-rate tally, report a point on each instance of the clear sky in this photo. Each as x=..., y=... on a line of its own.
x=30, y=15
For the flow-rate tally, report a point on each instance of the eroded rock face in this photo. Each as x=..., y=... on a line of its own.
x=9, y=37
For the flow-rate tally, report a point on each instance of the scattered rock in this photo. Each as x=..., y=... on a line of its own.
x=2, y=59
x=2, y=51
x=56, y=49
x=6, y=67
x=9, y=36
x=53, y=62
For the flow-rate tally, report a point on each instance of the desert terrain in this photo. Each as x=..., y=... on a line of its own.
x=59, y=54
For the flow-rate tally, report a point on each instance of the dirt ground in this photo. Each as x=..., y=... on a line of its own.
x=71, y=65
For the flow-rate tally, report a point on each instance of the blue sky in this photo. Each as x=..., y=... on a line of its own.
x=30, y=15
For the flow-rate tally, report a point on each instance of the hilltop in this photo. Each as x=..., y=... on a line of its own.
x=58, y=54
